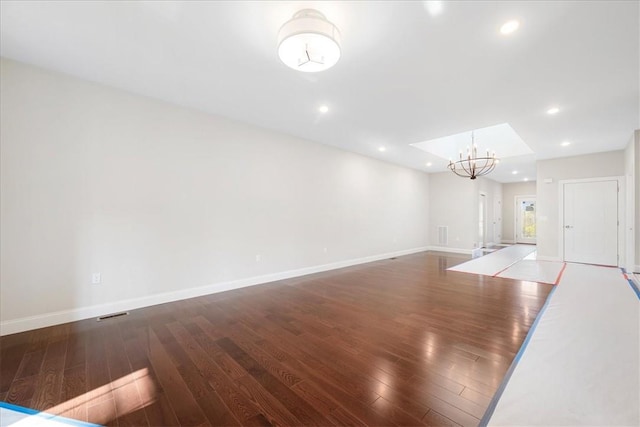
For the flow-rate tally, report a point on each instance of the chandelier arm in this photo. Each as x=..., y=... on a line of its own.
x=459, y=174
x=452, y=167
x=482, y=171
x=472, y=167
x=493, y=166
x=485, y=166
x=465, y=166
x=488, y=166
x=470, y=170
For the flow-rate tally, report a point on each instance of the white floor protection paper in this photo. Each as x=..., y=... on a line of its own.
x=534, y=271
x=17, y=416
x=495, y=262
x=582, y=362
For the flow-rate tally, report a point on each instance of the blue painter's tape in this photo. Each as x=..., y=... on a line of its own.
x=632, y=283
x=44, y=415
x=496, y=397
x=17, y=408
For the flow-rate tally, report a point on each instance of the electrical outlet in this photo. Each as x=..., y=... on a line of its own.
x=96, y=278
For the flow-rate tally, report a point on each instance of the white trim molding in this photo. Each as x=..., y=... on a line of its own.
x=548, y=258
x=13, y=326
x=451, y=250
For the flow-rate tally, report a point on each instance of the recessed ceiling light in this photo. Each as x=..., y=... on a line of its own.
x=323, y=109
x=553, y=110
x=433, y=7
x=565, y=143
x=510, y=26
x=526, y=179
x=514, y=172
x=429, y=164
x=382, y=149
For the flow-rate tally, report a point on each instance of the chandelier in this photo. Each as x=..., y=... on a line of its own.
x=473, y=166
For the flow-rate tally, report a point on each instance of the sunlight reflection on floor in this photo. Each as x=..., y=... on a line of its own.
x=130, y=393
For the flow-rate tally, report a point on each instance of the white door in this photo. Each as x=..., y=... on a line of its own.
x=525, y=219
x=591, y=222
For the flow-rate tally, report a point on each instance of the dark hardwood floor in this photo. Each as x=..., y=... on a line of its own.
x=394, y=342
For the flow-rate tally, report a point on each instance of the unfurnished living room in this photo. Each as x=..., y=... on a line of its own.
x=381, y=213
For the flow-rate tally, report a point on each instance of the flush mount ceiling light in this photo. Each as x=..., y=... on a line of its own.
x=309, y=42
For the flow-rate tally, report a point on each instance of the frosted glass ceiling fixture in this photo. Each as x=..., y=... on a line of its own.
x=308, y=42
x=473, y=166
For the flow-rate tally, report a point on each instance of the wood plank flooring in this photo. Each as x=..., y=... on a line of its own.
x=395, y=342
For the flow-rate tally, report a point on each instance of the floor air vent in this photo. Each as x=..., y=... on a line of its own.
x=111, y=316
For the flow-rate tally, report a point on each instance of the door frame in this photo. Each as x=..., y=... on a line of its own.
x=621, y=212
x=516, y=212
x=497, y=219
x=485, y=224
x=630, y=232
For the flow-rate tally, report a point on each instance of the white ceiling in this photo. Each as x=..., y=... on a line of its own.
x=404, y=76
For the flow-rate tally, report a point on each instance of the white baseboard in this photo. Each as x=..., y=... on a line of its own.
x=449, y=249
x=548, y=258
x=64, y=316
x=509, y=242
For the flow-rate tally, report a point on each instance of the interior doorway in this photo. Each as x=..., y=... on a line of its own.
x=525, y=219
x=482, y=223
x=590, y=222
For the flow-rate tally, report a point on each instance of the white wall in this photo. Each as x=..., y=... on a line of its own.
x=169, y=203
x=509, y=193
x=450, y=200
x=629, y=173
x=588, y=166
x=637, y=198
x=453, y=202
x=632, y=173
